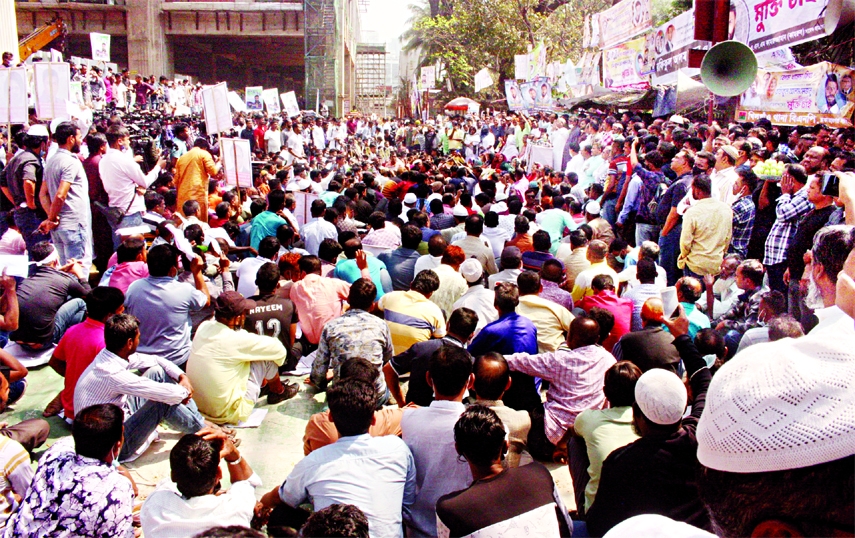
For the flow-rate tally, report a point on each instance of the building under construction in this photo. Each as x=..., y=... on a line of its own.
x=308, y=46
x=372, y=93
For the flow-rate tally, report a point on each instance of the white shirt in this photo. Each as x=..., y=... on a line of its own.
x=834, y=318
x=480, y=300
x=121, y=176
x=426, y=262
x=167, y=513
x=375, y=474
x=315, y=232
x=628, y=275
x=246, y=275
x=429, y=433
x=497, y=237
x=575, y=164
x=274, y=140
x=507, y=275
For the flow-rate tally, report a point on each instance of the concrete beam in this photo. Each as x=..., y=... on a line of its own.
x=232, y=6
x=66, y=6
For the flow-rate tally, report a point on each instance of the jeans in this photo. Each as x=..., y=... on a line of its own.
x=669, y=251
x=145, y=415
x=74, y=243
x=578, y=462
x=69, y=314
x=609, y=210
x=27, y=221
x=646, y=232
x=16, y=390
x=130, y=220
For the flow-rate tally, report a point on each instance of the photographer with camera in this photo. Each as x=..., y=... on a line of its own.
x=124, y=181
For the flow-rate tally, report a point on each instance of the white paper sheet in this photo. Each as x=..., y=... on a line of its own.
x=215, y=103
x=13, y=95
x=237, y=161
x=255, y=419
x=14, y=265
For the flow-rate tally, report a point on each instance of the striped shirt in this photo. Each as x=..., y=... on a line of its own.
x=16, y=473
x=788, y=211
x=109, y=379
x=411, y=318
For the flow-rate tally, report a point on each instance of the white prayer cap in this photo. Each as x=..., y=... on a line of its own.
x=459, y=211
x=502, y=196
x=38, y=129
x=782, y=405
x=410, y=198
x=472, y=270
x=593, y=207
x=661, y=396
x=55, y=123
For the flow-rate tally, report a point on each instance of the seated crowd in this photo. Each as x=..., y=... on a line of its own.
x=677, y=335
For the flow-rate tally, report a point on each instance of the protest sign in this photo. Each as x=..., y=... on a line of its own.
x=55, y=55
x=624, y=21
x=253, y=98
x=51, y=88
x=215, y=104
x=821, y=93
x=521, y=65
x=625, y=67
x=428, y=77
x=671, y=43
x=237, y=161
x=543, y=94
x=13, y=95
x=528, y=90
x=100, y=46
x=289, y=101
x=513, y=95
x=483, y=80
x=236, y=101
x=271, y=100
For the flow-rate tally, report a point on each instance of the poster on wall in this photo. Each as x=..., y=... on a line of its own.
x=513, y=95
x=428, y=77
x=627, y=66
x=100, y=46
x=271, y=100
x=670, y=44
x=769, y=24
x=623, y=21
x=821, y=93
x=253, y=98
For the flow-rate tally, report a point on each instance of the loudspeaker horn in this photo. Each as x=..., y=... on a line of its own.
x=728, y=68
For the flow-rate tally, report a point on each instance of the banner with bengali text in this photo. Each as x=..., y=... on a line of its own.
x=821, y=93
x=771, y=24
x=627, y=66
x=622, y=22
x=670, y=44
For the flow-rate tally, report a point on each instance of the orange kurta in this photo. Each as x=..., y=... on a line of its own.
x=192, y=172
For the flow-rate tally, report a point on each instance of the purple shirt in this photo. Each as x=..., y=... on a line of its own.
x=554, y=293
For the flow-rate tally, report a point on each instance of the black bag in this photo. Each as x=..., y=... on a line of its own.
x=114, y=214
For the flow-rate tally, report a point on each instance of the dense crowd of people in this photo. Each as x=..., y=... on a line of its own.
x=643, y=309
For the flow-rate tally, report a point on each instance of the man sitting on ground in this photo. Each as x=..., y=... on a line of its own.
x=320, y=431
x=492, y=379
x=551, y=319
x=131, y=265
x=620, y=307
x=191, y=501
x=76, y=491
x=411, y=316
x=273, y=315
x=743, y=314
x=376, y=474
x=651, y=347
x=229, y=365
x=162, y=393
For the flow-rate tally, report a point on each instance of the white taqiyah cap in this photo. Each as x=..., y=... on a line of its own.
x=501, y=197
x=661, y=396
x=55, y=123
x=472, y=270
x=459, y=211
x=782, y=405
x=38, y=129
x=410, y=198
x=593, y=207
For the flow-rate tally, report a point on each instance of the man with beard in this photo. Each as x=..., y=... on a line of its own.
x=809, y=225
x=831, y=246
x=64, y=195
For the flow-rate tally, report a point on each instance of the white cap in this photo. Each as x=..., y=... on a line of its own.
x=661, y=396
x=501, y=197
x=782, y=405
x=593, y=207
x=298, y=185
x=38, y=129
x=410, y=198
x=55, y=123
x=500, y=207
x=459, y=211
x=472, y=270
x=434, y=196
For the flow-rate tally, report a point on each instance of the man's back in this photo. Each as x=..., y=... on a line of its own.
x=40, y=297
x=318, y=300
x=412, y=318
x=16, y=474
x=163, y=308
x=401, y=264
x=429, y=433
x=73, y=495
x=272, y=316
x=551, y=319
x=78, y=348
x=707, y=229
x=376, y=474
x=651, y=347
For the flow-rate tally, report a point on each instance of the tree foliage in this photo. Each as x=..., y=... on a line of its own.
x=469, y=35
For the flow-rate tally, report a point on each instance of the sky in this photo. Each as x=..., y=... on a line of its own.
x=386, y=19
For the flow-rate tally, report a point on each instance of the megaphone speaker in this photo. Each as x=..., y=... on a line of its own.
x=728, y=68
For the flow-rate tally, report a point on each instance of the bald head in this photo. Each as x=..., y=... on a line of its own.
x=437, y=245
x=583, y=332
x=492, y=376
x=652, y=311
x=597, y=251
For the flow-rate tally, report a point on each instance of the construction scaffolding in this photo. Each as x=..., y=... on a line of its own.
x=320, y=44
x=372, y=94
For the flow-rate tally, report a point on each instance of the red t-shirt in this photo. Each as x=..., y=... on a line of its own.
x=78, y=348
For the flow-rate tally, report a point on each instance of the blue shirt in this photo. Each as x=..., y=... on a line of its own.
x=264, y=225
x=163, y=306
x=348, y=271
x=401, y=264
x=511, y=333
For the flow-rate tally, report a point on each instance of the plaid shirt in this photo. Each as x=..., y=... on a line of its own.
x=743, y=223
x=788, y=212
x=743, y=315
x=649, y=187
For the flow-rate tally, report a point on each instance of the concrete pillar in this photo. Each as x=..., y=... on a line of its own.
x=8, y=28
x=146, y=38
